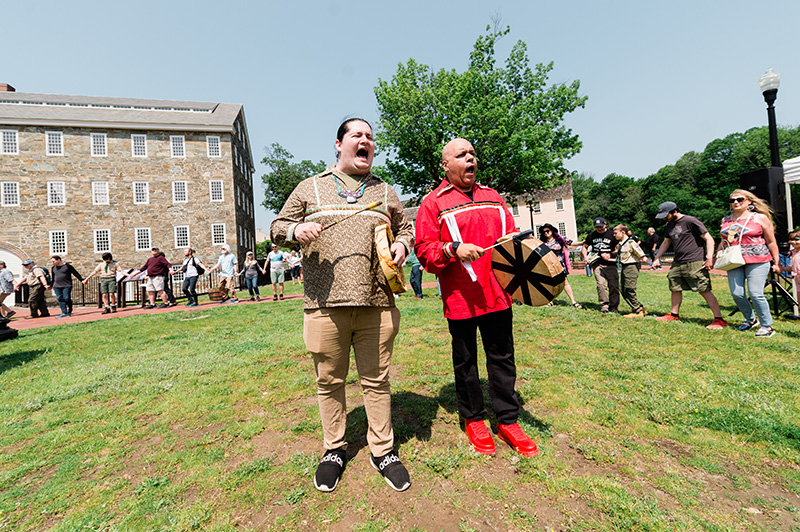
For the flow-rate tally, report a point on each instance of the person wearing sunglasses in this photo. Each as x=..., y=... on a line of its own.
x=694, y=256
x=560, y=246
x=750, y=223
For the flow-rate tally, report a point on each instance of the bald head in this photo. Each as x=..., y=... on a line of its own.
x=459, y=163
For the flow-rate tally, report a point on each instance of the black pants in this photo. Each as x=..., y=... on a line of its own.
x=498, y=343
x=189, y=284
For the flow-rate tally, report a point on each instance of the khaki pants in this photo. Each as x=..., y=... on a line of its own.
x=607, y=280
x=328, y=335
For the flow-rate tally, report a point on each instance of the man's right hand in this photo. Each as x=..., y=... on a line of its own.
x=469, y=252
x=307, y=232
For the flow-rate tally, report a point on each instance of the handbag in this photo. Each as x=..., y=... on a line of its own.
x=730, y=256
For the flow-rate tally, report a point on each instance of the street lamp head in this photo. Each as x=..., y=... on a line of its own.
x=770, y=80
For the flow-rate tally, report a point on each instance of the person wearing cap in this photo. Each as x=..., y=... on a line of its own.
x=694, y=255
x=603, y=243
x=277, y=267
x=34, y=277
x=228, y=272
x=157, y=268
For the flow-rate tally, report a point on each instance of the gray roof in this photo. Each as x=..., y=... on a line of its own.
x=20, y=108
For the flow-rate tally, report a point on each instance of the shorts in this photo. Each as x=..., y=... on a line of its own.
x=692, y=276
x=276, y=276
x=108, y=285
x=155, y=284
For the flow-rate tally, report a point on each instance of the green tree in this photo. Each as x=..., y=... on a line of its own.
x=284, y=175
x=510, y=116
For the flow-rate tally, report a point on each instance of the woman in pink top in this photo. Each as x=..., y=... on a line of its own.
x=750, y=222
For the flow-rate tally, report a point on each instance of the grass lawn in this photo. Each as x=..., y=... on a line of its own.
x=207, y=420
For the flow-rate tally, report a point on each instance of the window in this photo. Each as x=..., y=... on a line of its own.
x=182, y=236
x=559, y=204
x=138, y=145
x=515, y=210
x=562, y=229
x=217, y=234
x=99, y=145
x=54, y=143
x=141, y=193
x=213, y=147
x=177, y=146
x=9, y=144
x=537, y=207
x=215, y=190
x=102, y=240
x=100, y=192
x=56, y=193
x=10, y=194
x=142, y=239
x=58, y=242
x=180, y=192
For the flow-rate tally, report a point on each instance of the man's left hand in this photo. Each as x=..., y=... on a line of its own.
x=398, y=253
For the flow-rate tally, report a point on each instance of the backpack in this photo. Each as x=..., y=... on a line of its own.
x=200, y=271
x=46, y=275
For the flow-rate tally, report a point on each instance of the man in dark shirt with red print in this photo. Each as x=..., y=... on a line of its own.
x=694, y=254
x=603, y=244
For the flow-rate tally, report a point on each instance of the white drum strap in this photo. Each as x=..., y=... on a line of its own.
x=450, y=219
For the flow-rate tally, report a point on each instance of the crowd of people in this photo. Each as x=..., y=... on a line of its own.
x=154, y=273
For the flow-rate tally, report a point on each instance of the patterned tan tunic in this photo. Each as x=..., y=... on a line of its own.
x=341, y=267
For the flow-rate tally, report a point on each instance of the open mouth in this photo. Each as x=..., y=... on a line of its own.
x=470, y=169
x=362, y=153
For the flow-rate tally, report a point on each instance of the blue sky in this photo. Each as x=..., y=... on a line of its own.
x=663, y=78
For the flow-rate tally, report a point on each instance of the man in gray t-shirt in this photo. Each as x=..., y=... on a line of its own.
x=694, y=254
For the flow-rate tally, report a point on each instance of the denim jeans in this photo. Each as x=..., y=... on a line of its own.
x=756, y=277
x=189, y=284
x=252, y=285
x=64, y=298
x=415, y=280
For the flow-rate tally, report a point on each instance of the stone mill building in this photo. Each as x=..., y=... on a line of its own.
x=83, y=175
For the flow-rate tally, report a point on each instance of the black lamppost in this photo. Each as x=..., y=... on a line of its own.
x=769, y=84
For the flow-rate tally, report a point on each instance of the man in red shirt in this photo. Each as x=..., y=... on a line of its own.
x=455, y=223
x=156, y=267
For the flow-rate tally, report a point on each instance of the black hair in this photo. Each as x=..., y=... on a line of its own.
x=55, y=257
x=107, y=256
x=344, y=128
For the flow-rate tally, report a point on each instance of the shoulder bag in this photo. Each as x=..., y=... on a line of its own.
x=730, y=256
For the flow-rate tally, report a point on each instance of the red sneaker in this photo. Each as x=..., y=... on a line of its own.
x=479, y=436
x=513, y=435
x=718, y=323
x=668, y=317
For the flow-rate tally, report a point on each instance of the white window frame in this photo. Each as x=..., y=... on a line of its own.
x=182, y=241
x=98, y=144
x=140, y=233
x=56, y=247
x=9, y=142
x=559, y=204
x=142, y=139
x=214, y=231
x=177, y=146
x=100, y=196
x=562, y=229
x=176, y=192
x=138, y=184
x=537, y=207
x=56, y=147
x=98, y=240
x=5, y=192
x=211, y=190
x=54, y=190
x=213, y=151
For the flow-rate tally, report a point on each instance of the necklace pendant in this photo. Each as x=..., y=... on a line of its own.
x=351, y=199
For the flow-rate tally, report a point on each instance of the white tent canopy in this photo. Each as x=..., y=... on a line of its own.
x=791, y=170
